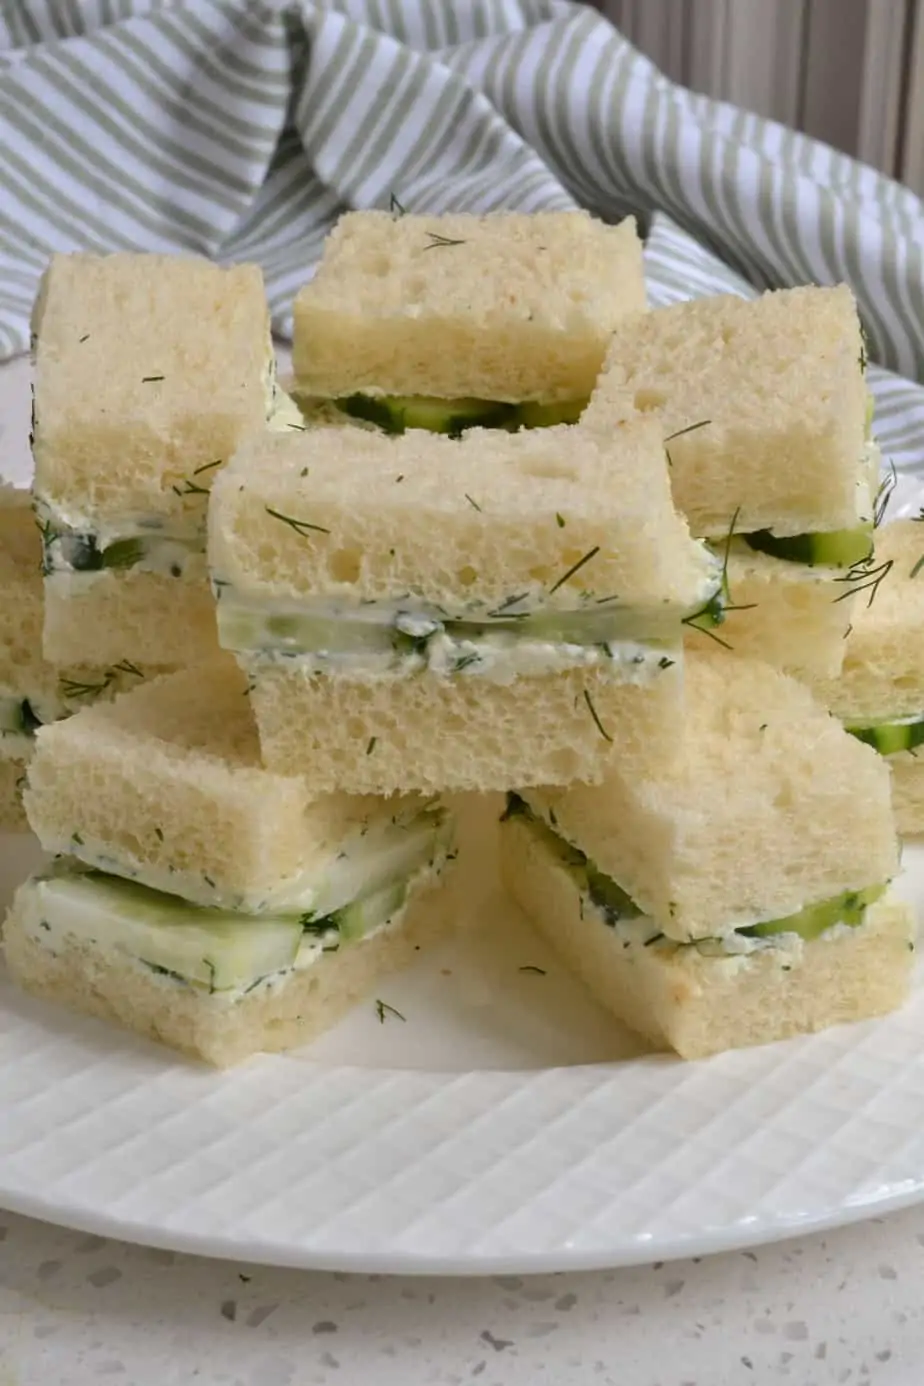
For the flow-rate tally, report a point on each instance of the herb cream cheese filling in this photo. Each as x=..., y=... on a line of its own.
x=405, y=635
x=634, y=929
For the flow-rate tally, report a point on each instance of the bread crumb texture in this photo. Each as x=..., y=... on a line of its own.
x=429, y=733
x=146, y=368
x=776, y=383
x=882, y=678
x=505, y=306
x=359, y=515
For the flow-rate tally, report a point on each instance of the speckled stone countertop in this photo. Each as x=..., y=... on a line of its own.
x=846, y=1307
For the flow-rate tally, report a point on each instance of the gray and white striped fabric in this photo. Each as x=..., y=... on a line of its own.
x=241, y=130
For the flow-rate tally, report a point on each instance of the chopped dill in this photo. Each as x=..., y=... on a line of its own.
x=864, y=577
x=382, y=1008
x=473, y=503
x=504, y=609
x=84, y=338
x=301, y=527
x=593, y=712
x=151, y=379
x=884, y=495
x=917, y=567
x=73, y=688
x=370, y=747
x=395, y=207
x=159, y=834
x=575, y=567
x=436, y=240
x=531, y=967
x=559, y=520
x=665, y=663
x=125, y=666
x=190, y=488
x=690, y=428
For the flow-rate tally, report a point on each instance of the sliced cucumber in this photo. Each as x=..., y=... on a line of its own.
x=838, y=548
x=355, y=921
x=397, y=413
x=849, y=908
x=250, y=626
x=534, y=415
x=890, y=737
x=72, y=552
x=214, y=949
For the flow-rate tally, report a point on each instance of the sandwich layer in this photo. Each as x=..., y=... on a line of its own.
x=750, y=822
x=763, y=404
x=787, y=614
x=700, y=999
x=502, y=307
x=144, y=617
x=344, y=551
x=430, y=733
x=881, y=682
x=216, y=989
x=149, y=370
x=165, y=786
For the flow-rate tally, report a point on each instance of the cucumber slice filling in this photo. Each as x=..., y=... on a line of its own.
x=617, y=907
x=840, y=548
x=213, y=950
x=888, y=738
x=395, y=414
x=413, y=635
x=74, y=551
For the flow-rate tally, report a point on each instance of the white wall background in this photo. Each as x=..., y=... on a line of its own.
x=850, y=72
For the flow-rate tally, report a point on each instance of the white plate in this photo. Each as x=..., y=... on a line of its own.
x=506, y=1124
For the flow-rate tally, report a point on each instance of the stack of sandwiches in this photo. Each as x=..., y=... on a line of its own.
x=525, y=535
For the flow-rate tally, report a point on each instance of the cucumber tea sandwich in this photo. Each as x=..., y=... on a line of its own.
x=879, y=695
x=451, y=322
x=766, y=417
x=200, y=899
x=418, y=613
x=33, y=691
x=149, y=371
x=655, y=889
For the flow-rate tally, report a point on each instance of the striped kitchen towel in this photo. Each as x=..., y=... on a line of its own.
x=241, y=129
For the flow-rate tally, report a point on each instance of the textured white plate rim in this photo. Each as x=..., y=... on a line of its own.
x=640, y=1252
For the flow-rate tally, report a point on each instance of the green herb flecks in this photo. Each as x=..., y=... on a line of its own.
x=917, y=567
x=531, y=967
x=473, y=503
x=865, y=576
x=382, y=1009
x=575, y=568
x=709, y=616
x=884, y=495
x=679, y=433
x=301, y=527
x=151, y=379
x=370, y=746
x=437, y=240
x=396, y=208
x=593, y=712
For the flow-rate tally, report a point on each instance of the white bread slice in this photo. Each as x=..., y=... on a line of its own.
x=499, y=307
x=148, y=618
x=780, y=380
x=357, y=515
x=165, y=785
x=908, y=791
x=797, y=617
x=147, y=367
x=769, y=806
x=882, y=678
x=219, y=1029
x=429, y=733
x=699, y=1004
